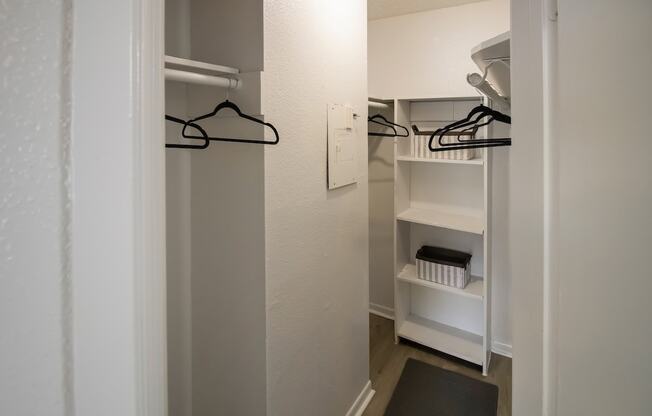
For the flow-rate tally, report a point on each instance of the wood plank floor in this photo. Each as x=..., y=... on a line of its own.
x=387, y=360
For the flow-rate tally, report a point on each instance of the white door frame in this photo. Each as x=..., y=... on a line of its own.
x=118, y=210
x=532, y=251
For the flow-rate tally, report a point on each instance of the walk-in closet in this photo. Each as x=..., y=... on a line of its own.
x=325, y=207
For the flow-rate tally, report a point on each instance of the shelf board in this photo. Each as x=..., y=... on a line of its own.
x=479, y=161
x=189, y=65
x=466, y=223
x=496, y=48
x=452, y=341
x=492, y=48
x=474, y=289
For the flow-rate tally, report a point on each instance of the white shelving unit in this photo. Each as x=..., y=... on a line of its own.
x=445, y=203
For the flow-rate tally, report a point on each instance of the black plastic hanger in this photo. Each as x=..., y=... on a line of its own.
x=474, y=120
x=478, y=112
x=188, y=146
x=229, y=105
x=388, y=124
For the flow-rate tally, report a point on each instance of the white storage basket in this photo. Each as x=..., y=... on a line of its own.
x=421, y=150
x=444, y=266
x=459, y=154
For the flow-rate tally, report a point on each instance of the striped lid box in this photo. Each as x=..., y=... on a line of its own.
x=443, y=266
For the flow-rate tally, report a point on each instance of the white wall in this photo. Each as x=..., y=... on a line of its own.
x=604, y=201
x=178, y=222
x=581, y=327
x=316, y=240
x=428, y=54
x=381, y=220
x=35, y=304
x=439, y=70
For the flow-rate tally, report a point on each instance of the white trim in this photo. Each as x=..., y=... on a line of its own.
x=118, y=223
x=550, y=208
x=150, y=294
x=382, y=311
x=501, y=349
x=362, y=401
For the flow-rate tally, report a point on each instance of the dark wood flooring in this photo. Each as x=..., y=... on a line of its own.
x=387, y=360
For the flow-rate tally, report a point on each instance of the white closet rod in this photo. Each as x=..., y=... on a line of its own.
x=374, y=104
x=480, y=82
x=195, y=78
x=484, y=87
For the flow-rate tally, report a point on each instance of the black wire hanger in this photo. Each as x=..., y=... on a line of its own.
x=388, y=124
x=475, y=119
x=229, y=105
x=188, y=146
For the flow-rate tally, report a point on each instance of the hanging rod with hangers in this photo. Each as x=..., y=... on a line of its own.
x=470, y=124
x=418, y=132
x=232, y=106
x=186, y=70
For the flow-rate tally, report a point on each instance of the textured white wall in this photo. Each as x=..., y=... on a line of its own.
x=316, y=240
x=604, y=204
x=428, y=54
x=35, y=314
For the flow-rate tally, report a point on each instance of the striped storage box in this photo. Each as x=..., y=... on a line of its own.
x=420, y=149
x=444, y=266
x=459, y=154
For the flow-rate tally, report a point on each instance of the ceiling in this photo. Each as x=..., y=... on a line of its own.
x=380, y=9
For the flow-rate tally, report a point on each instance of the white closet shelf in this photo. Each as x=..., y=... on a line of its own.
x=466, y=223
x=487, y=53
x=452, y=341
x=474, y=289
x=475, y=161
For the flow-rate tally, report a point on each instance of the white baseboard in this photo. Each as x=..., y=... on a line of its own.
x=501, y=349
x=381, y=310
x=362, y=401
